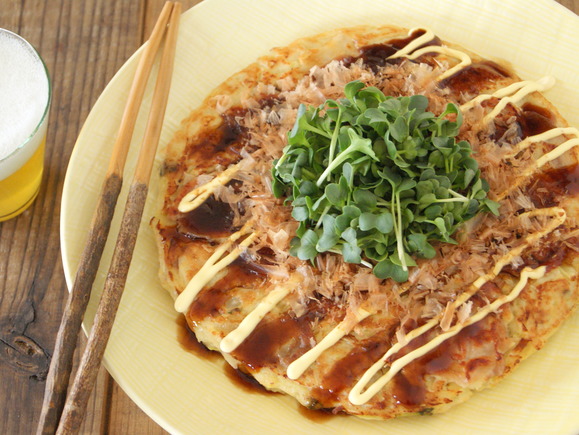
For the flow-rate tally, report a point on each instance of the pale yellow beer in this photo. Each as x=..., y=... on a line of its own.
x=24, y=105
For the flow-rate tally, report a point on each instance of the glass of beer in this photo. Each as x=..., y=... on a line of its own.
x=24, y=105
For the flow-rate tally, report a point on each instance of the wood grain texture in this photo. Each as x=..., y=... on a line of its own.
x=83, y=44
x=61, y=364
x=85, y=378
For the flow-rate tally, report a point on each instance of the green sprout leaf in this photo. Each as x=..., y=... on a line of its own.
x=378, y=179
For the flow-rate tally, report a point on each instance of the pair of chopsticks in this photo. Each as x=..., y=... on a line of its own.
x=66, y=417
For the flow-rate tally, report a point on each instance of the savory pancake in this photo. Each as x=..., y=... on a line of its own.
x=332, y=332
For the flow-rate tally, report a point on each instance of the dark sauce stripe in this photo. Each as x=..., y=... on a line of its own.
x=261, y=347
x=220, y=145
x=211, y=219
x=376, y=56
x=534, y=120
x=471, y=79
x=211, y=302
x=281, y=340
x=348, y=370
x=549, y=186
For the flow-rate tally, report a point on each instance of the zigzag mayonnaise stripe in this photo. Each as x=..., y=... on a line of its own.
x=514, y=92
x=213, y=266
x=540, y=162
x=414, y=44
x=357, y=397
x=559, y=217
x=464, y=59
x=542, y=137
x=200, y=194
x=300, y=365
x=510, y=94
x=248, y=324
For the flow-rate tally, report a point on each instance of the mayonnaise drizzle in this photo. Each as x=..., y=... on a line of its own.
x=544, y=159
x=542, y=137
x=464, y=58
x=541, y=85
x=557, y=152
x=559, y=216
x=357, y=397
x=199, y=195
x=213, y=266
x=300, y=365
x=503, y=92
x=248, y=324
x=415, y=43
x=510, y=94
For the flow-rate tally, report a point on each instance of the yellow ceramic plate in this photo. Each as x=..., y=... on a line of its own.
x=186, y=394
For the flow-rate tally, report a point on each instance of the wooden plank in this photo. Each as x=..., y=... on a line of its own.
x=570, y=4
x=124, y=416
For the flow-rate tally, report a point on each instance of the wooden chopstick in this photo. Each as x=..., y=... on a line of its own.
x=79, y=394
x=61, y=363
x=82, y=386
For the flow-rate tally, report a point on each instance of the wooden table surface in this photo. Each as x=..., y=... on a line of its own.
x=83, y=44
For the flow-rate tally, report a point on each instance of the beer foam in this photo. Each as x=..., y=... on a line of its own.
x=24, y=92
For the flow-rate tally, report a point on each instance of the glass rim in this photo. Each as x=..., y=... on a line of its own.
x=48, y=101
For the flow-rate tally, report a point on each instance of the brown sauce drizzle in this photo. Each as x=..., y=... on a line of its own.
x=220, y=145
x=270, y=101
x=349, y=369
x=534, y=120
x=551, y=185
x=572, y=180
x=552, y=255
x=530, y=119
x=211, y=302
x=189, y=342
x=175, y=244
x=472, y=78
x=318, y=415
x=208, y=303
x=212, y=219
x=503, y=121
x=249, y=384
x=261, y=347
x=173, y=237
x=264, y=345
x=376, y=56
x=245, y=381
x=230, y=131
x=408, y=387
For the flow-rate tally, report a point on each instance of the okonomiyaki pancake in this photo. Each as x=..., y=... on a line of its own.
x=373, y=337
